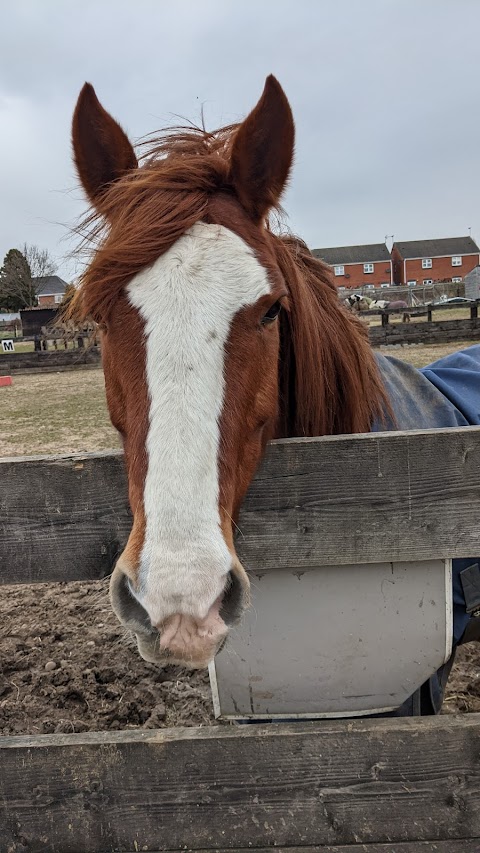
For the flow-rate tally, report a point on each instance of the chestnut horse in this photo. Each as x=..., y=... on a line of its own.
x=218, y=335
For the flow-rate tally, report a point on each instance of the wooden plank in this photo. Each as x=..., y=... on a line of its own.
x=467, y=845
x=62, y=518
x=356, y=499
x=337, y=783
x=320, y=501
x=47, y=361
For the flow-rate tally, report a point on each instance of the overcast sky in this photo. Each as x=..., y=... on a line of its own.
x=385, y=95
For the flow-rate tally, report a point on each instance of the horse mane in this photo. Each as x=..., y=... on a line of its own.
x=329, y=379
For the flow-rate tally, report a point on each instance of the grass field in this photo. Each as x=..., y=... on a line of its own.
x=66, y=412
x=55, y=413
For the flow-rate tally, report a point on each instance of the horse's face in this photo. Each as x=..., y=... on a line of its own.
x=190, y=352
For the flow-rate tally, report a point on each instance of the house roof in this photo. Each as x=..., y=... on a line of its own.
x=49, y=285
x=444, y=247
x=353, y=254
x=473, y=274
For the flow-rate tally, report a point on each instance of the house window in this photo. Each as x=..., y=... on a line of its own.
x=58, y=298
x=457, y=261
x=426, y=263
x=368, y=267
x=411, y=283
x=339, y=270
x=457, y=279
x=428, y=281
x=369, y=287
x=385, y=284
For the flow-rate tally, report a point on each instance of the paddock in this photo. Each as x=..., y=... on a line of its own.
x=376, y=785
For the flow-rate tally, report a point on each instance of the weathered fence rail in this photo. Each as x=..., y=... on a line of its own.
x=438, y=331
x=376, y=786
x=31, y=362
x=389, y=782
x=335, y=500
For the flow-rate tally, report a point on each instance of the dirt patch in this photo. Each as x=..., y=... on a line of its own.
x=464, y=683
x=68, y=666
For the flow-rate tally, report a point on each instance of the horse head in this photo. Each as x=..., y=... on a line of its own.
x=217, y=335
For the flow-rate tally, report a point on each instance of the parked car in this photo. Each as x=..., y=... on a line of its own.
x=454, y=300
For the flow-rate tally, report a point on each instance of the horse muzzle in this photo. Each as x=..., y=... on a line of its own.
x=181, y=638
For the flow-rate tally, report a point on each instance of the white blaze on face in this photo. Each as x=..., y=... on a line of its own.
x=187, y=300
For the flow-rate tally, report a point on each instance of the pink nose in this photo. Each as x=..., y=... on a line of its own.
x=180, y=638
x=193, y=640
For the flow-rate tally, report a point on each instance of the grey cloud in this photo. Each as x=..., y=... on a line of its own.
x=385, y=95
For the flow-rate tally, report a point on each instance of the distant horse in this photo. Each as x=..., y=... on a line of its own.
x=218, y=335
x=400, y=305
x=359, y=303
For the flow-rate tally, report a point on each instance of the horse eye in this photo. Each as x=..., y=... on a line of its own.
x=272, y=313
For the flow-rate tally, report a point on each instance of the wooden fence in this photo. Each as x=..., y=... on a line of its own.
x=46, y=362
x=427, y=332
x=391, y=786
x=436, y=332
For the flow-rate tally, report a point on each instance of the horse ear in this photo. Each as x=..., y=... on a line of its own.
x=262, y=152
x=101, y=149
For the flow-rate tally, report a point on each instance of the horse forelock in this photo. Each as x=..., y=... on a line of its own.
x=146, y=210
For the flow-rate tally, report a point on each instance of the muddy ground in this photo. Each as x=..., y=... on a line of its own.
x=67, y=666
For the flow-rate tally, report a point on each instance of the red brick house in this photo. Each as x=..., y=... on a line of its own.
x=359, y=266
x=427, y=261
x=50, y=290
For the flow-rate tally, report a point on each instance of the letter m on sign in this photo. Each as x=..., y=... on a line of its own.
x=7, y=346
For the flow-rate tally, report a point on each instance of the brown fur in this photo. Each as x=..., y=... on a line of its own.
x=311, y=372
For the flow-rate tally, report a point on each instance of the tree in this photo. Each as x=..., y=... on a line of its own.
x=21, y=276
x=17, y=289
x=39, y=261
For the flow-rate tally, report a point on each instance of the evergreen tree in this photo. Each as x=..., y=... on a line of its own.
x=17, y=289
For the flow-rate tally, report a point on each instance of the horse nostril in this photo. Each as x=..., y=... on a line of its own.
x=233, y=601
x=128, y=609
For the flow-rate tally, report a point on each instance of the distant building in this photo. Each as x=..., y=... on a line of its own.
x=35, y=319
x=426, y=261
x=51, y=290
x=472, y=284
x=359, y=266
